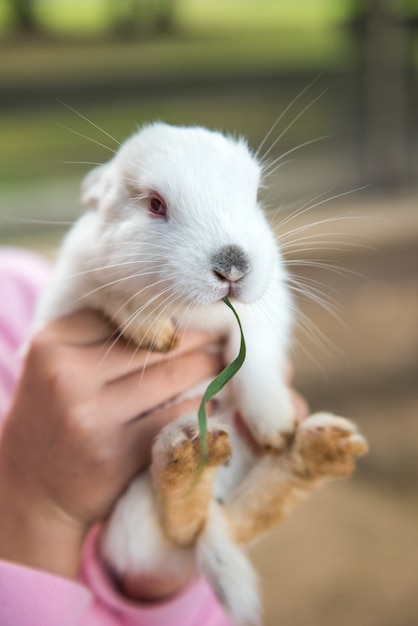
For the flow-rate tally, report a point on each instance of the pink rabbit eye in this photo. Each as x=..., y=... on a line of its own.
x=157, y=207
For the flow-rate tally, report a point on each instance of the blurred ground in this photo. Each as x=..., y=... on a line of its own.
x=350, y=554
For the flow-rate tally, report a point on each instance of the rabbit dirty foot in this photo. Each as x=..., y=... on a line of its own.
x=326, y=446
x=161, y=336
x=144, y=330
x=323, y=447
x=185, y=490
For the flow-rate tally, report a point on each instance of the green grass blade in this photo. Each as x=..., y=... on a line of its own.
x=217, y=384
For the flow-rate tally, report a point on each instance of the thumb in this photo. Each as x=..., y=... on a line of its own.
x=142, y=431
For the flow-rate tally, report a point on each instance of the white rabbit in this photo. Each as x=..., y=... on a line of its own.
x=174, y=226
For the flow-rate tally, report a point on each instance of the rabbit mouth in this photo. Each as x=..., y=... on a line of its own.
x=230, y=290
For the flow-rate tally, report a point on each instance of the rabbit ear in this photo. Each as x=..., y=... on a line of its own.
x=94, y=185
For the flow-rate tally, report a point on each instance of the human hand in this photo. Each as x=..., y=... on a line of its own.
x=300, y=405
x=82, y=425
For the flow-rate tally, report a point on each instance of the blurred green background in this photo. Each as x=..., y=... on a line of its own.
x=341, y=79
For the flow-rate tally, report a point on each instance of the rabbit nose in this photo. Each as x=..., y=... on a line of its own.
x=230, y=263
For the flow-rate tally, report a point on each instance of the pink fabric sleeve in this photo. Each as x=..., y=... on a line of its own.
x=23, y=275
x=32, y=598
x=29, y=597
x=196, y=605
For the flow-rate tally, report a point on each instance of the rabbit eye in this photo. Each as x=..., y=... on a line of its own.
x=157, y=206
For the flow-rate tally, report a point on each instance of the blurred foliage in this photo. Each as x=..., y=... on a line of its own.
x=229, y=64
x=57, y=142
x=129, y=17
x=159, y=59
x=124, y=16
x=215, y=40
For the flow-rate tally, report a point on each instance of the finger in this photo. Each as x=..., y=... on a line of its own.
x=81, y=328
x=301, y=406
x=139, y=393
x=117, y=359
x=288, y=373
x=142, y=432
x=89, y=328
x=107, y=354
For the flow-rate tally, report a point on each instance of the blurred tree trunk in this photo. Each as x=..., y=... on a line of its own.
x=165, y=15
x=384, y=46
x=385, y=96
x=159, y=14
x=145, y=16
x=24, y=16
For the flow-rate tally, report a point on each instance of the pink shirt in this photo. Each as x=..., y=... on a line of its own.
x=29, y=597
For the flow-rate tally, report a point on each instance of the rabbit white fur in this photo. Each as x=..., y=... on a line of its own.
x=174, y=226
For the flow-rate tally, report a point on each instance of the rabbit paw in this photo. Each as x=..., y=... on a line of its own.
x=184, y=488
x=160, y=336
x=177, y=450
x=326, y=446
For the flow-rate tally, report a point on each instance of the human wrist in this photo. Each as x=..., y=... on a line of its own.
x=153, y=588
x=33, y=534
